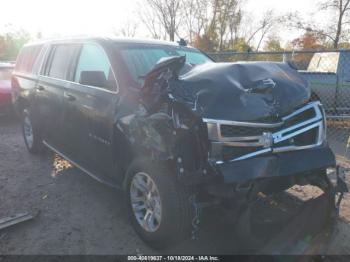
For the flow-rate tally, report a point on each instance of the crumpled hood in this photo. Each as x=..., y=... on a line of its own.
x=254, y=91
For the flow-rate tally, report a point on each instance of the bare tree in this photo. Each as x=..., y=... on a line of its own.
x=336, y=31
x=128, y=29
x=168, y=14
x=195, y=16
x=268, y=22
x=342, y=10
x=224, y=20
x=226, y=12
x=151, y=22
x=234, y=25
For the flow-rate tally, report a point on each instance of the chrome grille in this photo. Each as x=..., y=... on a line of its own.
x=231, y=141
x=238, y=131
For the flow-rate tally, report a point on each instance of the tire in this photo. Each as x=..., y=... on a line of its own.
x=31, y=133
x=172, y=224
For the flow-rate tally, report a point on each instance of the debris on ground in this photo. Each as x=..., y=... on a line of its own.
x=15, y=219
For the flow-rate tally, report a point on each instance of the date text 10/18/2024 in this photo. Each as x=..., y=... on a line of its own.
x=173, y=258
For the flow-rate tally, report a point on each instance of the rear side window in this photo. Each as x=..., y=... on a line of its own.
x=27, y=58
x=93, y=60
x=60, y=60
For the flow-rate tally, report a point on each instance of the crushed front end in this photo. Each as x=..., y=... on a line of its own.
x=234, y=133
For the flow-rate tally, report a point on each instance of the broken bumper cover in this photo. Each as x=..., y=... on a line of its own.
x=278, y=165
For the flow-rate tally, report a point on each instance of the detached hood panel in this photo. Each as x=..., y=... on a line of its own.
x=258, y=91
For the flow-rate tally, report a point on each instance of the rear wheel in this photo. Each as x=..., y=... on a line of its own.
x=31, y=133
x=158, y=206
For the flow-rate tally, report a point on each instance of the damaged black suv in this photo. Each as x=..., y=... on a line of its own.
x=170, y=127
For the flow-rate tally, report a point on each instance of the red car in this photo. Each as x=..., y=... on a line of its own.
x=5, y=87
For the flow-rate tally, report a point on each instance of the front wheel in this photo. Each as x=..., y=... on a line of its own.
x=31, y=133
x=158, y=205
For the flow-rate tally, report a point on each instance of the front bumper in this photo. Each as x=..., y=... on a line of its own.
x=277, y=165
x=242, y=151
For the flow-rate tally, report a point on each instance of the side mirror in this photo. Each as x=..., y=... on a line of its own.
x=93, y=78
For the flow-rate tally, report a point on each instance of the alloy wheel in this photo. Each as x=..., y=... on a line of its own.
x=145, y=201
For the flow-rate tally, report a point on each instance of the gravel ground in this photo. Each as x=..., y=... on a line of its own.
x=77, y=215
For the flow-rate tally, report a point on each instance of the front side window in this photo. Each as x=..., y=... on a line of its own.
x=60, y=60
x=93, y=68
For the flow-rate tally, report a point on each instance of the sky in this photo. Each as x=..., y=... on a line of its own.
x=56, y=18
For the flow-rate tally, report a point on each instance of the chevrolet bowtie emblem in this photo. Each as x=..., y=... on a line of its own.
x=266, y=140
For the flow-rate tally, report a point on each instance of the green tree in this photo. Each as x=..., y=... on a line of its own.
x=310, y=40
x=11, y=43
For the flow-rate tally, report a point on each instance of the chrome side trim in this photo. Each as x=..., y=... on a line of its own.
x=80, y=167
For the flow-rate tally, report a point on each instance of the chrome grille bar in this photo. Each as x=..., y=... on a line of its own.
x=268, y=141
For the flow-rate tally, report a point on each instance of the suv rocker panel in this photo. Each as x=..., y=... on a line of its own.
x=105, y=181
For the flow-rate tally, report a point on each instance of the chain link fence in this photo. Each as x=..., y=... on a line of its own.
x=328, y=74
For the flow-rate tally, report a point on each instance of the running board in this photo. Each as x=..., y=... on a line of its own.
x=99, y=179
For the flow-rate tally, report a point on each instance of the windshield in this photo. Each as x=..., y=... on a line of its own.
x=5, y=73
x=140, y=59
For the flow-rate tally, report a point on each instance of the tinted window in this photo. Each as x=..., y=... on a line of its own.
x=27, y=58
x=140, y=59
x=94, y=59
x=60, y=60
x=194, y=58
